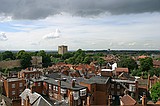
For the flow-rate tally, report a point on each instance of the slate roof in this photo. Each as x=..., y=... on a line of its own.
x=64, y=84
x=35, y=99
x=97, y=80
x=13, y=79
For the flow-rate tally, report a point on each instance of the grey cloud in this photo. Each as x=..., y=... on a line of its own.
x=3, y=37
x=37, y=9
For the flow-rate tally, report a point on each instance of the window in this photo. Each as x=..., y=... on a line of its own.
x=20, y=91
x=112, y=86
x=39, y=84
x=118, y=86
x=56, y=88
x=132, y=87
x=20, y=84
x=63, y=91
x=118, y=92
x=79, y=101
x=13, y=92
x=13, y=85
x=93, y=99
x=83, y=92
x=50, y=86
x=112, y=92
x=75, y=95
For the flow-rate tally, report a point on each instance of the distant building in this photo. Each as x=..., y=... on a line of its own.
x=36, y=61
x=62, y=49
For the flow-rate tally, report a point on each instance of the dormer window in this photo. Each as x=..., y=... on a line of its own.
x=75, y=95
x=13, y=85
x=83, y=92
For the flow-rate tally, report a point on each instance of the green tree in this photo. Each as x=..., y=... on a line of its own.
x=46, y=60
x=87, y=60
x=8, y=55
x=127, y=62
x=154, y=71
x=25, y=58
x=67, y=55
x=71, y=60
x=6, y=71
x=155, y=91
x=146, y=64
x=101, y=61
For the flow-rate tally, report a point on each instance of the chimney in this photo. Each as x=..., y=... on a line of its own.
x=59, y=83
x=148, y=82
x=110, y=100
x=137, y=91
x=73, y=83
x=33, y=89
x=18, y=74
x=144, y=100
x=27, y=101
x=71, y=100
x=126, y=92
x=59, y=90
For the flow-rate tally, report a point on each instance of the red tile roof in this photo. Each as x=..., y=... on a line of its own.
x=122, y=70
x=158, y=102
x=142, y=57
x=128, y=100
x=156, y=62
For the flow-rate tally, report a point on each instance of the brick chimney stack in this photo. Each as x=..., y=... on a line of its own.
x=144, y=99
x=110, y=100
x=59, y=90
x=73, y=83
x=27, y=101
x=33, y=89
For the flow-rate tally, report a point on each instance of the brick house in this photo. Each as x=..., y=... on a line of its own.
x=60, y=90
x=118, y=87
x=13, y=87
x=98, y=90
x=28, y=74
x=29, y=98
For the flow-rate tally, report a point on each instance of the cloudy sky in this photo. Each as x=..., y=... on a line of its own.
x=85, y=24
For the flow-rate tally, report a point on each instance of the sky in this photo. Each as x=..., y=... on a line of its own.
x=80, y=24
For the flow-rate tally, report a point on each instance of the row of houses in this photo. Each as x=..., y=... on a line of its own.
x=81, y=85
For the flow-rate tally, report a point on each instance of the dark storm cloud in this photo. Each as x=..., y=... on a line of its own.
x=36, y=9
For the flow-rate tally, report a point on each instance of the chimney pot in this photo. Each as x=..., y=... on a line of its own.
x=73, y=83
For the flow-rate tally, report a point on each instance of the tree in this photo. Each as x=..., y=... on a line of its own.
x=155, y=91
x=25, y=58
x=146, y=64
x=46, y=60
x=154, y=71
x=128, y=62
x=100, y=61
x=8, y=55
x=87, y=60
x=67, y=55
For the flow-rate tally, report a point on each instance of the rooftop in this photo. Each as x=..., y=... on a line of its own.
x=35, y=99
x=64, y=84
x=97, y=80
x=13, y=79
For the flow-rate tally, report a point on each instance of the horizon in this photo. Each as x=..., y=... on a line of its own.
x=91, y=24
